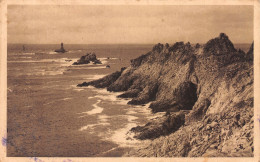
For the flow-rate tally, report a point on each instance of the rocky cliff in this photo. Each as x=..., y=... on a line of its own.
x=206, y=90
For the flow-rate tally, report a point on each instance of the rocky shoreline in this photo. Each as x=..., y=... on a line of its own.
x=206, y=90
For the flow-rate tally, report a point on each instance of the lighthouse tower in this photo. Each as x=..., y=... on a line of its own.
x=61, y=50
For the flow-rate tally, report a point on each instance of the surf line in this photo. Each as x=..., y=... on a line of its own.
x=96, y=109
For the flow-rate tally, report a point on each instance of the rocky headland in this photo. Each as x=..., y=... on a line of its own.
x=86, y=59
x=206, y=92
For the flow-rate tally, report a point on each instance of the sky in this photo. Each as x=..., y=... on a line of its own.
x=136, y=24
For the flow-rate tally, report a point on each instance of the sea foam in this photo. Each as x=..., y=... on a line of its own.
x=96, y=109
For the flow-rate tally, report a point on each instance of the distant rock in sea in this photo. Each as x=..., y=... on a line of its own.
x=61, y=50
x=86, y=59
x=206, y=92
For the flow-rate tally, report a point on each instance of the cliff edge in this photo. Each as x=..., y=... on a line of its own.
x=206, y=90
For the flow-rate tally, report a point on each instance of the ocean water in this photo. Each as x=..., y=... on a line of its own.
x=47, y=115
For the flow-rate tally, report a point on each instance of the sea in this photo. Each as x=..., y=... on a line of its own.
x=49, y=116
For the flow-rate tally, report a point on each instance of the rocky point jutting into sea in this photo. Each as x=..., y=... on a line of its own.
x=206, y=90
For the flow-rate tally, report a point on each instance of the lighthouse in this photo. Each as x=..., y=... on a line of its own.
x=61, y=50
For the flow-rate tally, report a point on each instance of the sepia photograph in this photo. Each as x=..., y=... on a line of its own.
x=130, y=81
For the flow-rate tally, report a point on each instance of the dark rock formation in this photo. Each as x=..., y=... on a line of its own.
x=197, y=45
x=164, y=126
x=250, y=53
x=130, y=93
x=61, y=50
x=219, y=46
x=213, y=82
x=86, y=59
x=185, y=96
x=103, y=82
x=158, y=48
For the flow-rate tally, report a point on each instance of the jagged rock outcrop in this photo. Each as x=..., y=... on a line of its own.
x=213, y=82
x=219, y=46
x=167, y=124
x=86, y=59
x=250, y=53
x=103, y=82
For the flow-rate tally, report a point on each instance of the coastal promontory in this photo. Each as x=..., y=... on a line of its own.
x=206, y=91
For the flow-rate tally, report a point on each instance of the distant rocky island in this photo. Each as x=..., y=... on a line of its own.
x=205, y=90
x=86, y=59
x=61, y=50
